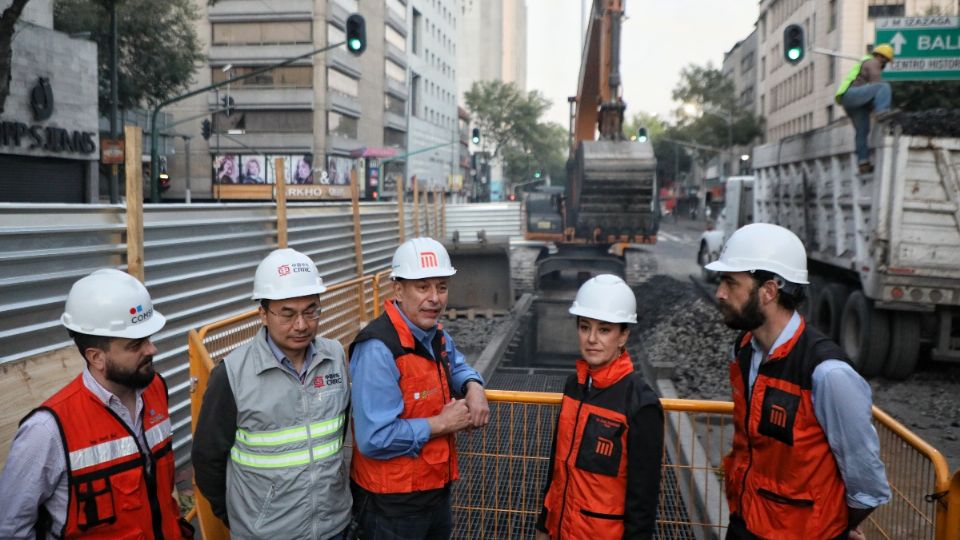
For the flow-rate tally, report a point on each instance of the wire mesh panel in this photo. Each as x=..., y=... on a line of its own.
x=915, y=482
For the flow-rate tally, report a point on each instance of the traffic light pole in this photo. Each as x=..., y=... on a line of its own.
x=155, y=140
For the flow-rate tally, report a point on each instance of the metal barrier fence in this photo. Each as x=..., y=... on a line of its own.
x=503, y=467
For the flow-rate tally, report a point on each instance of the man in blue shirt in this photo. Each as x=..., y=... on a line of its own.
x=806, y=459
x=412, y=392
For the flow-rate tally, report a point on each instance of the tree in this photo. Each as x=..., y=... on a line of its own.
x=712, y=94
x=8, y=22
x=505, y=115
x=545, y=150
x=159, y=50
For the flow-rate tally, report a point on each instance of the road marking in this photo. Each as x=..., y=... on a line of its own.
x=670, y=237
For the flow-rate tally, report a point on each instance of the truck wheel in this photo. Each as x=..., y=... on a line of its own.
x=704, y=258
x=828, y=309
x=904, y=345
x=864, y=334
x=813, y=289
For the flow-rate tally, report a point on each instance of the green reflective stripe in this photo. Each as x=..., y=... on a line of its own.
x=287, y=436
x=286, y=459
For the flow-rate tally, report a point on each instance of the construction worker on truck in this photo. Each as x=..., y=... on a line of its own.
x=806, y=459
x=412, y=392
x=96, y=459
x=604, y=475
x=862, y=91
x=267, y=449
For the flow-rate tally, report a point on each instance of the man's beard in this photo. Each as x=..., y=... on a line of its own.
x=748, y=318
x=135, y=379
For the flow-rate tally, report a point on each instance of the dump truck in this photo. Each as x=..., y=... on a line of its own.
x=883, y=248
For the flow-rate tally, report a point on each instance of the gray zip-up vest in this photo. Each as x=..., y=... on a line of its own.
x=287, y=475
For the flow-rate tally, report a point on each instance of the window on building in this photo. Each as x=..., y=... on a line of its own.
x=394, y=104
x=832, y=24
x=831, y=69
x=395, y=38
x=262, y=33
x=398, y=8
x=335, y=34
x=395, y=71
x=393, y=137
x=282, y=77
x=415, y=99
x=415, y=30
x=340, y=82
x=265, y=121
x=885, y=8
x=341, y=125
x=763, y=67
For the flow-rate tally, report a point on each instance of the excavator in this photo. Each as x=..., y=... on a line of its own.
x=608, y=212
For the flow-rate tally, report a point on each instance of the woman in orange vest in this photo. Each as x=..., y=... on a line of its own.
x=604, y=477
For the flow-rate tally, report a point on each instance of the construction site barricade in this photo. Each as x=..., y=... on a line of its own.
x=503, y=467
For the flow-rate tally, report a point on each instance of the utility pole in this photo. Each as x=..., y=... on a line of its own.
x=114, y=97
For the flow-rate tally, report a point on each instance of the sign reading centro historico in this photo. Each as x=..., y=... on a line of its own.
x=925, y=48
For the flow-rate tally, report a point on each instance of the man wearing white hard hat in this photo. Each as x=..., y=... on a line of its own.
x=96, y=459
x=267, y=450
x=805, y=461
x=604, y=476
x=412, y=392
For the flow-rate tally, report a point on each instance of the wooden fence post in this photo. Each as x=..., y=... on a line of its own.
x=133, y=171
x=400, y=203
x=281, y=189
x=358, y=244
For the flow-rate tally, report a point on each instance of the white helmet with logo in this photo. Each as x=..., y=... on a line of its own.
x=420, y=258
x=764, y=246
x=286, y=273
x=606, y=298
x=111, y=303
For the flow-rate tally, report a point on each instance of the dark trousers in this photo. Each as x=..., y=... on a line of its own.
x=737, y=530
x=435, y=524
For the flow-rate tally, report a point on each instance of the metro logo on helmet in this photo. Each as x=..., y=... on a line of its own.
x=428, y=259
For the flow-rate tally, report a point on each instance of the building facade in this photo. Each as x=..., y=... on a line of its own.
x=49, y=136
x=797, y=98
x=318, y=122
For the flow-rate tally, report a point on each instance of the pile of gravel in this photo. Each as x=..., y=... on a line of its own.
x=471, y=337
x=931, y=123
x=677, y=325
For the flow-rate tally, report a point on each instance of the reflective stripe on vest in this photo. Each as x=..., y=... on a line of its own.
x=105, y=452
x=265, y=442
x=848, y=80
x=159, y=433
x=291, y=435
x=285, y=459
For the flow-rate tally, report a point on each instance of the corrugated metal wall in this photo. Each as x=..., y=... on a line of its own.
x=199, y=264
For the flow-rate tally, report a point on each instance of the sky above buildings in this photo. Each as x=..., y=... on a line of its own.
x=660, y=38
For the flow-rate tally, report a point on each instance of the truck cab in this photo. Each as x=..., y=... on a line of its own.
x=737, y=211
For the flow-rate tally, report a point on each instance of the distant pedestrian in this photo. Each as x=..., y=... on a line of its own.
x=863, y=91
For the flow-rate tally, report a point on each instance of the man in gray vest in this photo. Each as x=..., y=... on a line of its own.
x=267, y=451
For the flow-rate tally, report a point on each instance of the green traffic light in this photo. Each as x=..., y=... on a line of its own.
x=642, y=138
x=794, y=53
x=354, y=44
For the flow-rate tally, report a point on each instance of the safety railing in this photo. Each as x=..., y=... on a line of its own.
x=503, y=467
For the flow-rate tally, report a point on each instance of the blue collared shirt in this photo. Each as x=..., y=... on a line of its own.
x=287, y=364
x=378, y=401
x=841, y=403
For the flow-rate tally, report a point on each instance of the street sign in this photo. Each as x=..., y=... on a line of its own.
x=925, y=48
x=111, y=151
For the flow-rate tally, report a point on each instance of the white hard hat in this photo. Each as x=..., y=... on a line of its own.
x=420, y=258
x=111, y=303
x=286, y=273
x=606, y=298
x=764, y=246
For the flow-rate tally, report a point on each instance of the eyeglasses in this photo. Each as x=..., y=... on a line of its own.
x=289, y=317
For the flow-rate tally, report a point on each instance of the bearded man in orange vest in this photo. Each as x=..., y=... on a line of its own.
x=805, y=462
x=96, y=459
x=412, y=392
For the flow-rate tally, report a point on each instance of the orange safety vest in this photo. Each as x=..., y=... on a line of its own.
x=110, y=492
x=424, y=383
x=781, y=476
x=588, y=483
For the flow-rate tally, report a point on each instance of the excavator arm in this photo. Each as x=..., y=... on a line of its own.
x=598, y=103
